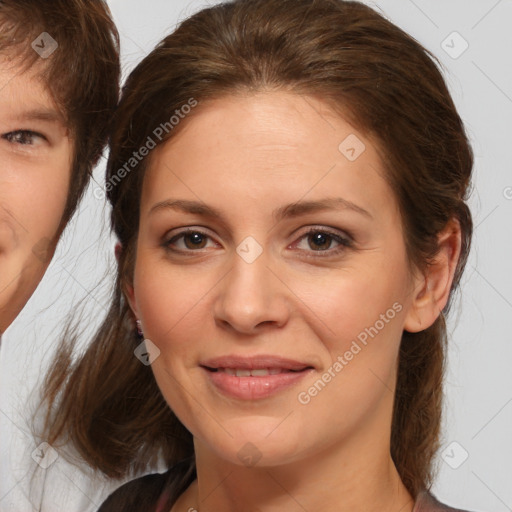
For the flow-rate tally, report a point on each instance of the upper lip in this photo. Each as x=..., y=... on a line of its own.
x=254, y=362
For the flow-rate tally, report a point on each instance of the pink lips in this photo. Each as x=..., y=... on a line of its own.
x=251, y=378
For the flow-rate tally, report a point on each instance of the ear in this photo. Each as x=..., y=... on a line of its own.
x=127, y=288
x=118, y=250
x=432, y=290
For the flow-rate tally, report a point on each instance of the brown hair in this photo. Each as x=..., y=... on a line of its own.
x=389, y=87
x=82, y=74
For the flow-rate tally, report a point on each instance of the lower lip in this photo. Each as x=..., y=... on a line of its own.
x=253, y=388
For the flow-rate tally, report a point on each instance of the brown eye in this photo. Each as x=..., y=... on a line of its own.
x=22, y=137
x=196, y=240
x=321, y=241
x=187, y=241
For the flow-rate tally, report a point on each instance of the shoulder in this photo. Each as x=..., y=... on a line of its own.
x=427, y=502
x=139, y=494
x=152, y=492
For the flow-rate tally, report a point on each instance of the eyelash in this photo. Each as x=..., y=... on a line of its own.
x=24, y=133
x=345, y=242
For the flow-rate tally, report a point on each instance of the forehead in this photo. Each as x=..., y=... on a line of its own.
x=24, y=95
x=264, y=130
x=263, y=145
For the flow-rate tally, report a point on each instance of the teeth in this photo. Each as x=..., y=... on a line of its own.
x=259, y=372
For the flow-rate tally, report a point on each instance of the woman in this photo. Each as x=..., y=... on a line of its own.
x=288, y=182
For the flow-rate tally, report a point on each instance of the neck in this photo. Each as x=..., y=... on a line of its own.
x=353, y=474
x=323, y=482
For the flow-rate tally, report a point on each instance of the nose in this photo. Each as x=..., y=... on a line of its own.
x=251, y=297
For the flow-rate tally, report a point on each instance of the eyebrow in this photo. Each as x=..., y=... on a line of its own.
x=291, y=210
x=40, y=115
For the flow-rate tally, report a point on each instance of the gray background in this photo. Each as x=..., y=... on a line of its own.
x=478, y=387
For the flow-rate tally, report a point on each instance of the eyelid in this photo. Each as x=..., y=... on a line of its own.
x=335, y=232
x=13, y=133
x=168, y=238
x=345, y=240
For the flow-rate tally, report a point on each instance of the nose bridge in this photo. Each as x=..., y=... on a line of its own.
x=250, y=293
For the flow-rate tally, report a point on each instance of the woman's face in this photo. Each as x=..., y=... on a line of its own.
x=270, y=240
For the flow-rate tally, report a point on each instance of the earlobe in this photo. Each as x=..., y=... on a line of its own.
x=432, y=289
x=118, y=250
x=130, y=297
x=127, y=288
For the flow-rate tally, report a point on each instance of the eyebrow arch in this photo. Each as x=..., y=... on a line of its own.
x=291, y=210
x=40, y=115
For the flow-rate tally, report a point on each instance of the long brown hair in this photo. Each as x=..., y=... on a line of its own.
x=105, y=401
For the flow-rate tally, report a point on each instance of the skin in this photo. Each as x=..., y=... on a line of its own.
x=246, y=156
x=36, y=156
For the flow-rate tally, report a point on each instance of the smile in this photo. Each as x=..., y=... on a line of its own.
x=257, y=372
x=253, y=384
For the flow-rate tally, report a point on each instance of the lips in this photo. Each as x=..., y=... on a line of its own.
x=255, y=372
x=251, y=378
x=259, y=362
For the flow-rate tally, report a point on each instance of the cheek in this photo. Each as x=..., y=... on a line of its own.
x=169, y=306
x=168, y=303
x=40, y=199
x=45, y=210
x=358, y=316
x=345, y=305
x=366, y=317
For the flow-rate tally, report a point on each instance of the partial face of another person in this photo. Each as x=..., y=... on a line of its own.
x=35, y=168
x=278, y=326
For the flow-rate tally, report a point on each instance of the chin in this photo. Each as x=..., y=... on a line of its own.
x=262, y=450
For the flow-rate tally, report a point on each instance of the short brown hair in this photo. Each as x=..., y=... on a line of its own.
x=389, y=87
x=82, y=75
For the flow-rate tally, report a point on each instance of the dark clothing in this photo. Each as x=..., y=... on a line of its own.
x=158, y=493
x=152, y=493
x=427, y=502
